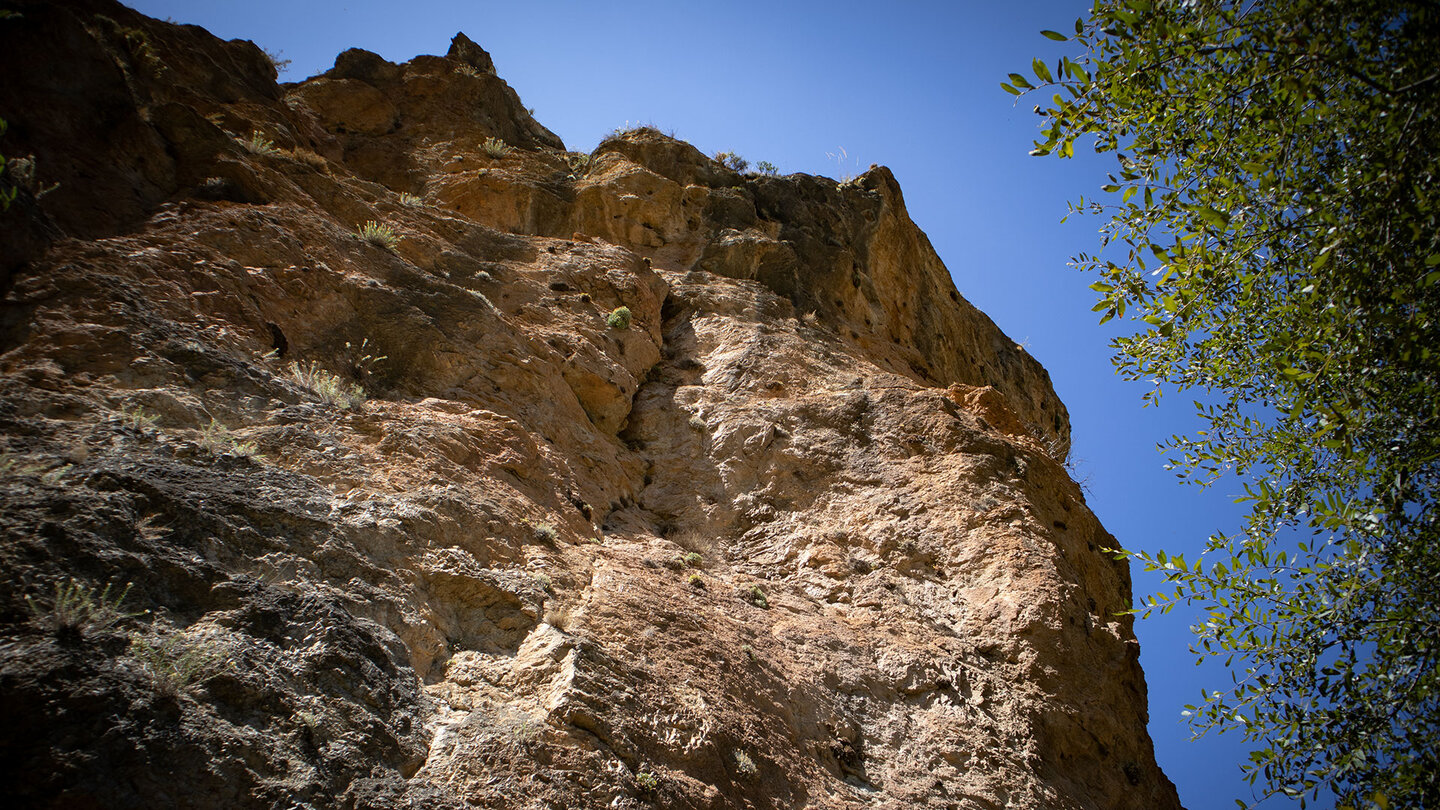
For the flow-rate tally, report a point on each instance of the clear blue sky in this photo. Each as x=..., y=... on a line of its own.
x=911, y=85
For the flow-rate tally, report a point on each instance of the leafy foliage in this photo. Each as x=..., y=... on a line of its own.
x=1274, y=231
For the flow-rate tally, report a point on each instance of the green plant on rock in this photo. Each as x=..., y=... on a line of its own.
x=619, y=318
x=495, y=148
x=767, y=168
x=647, y=782
x=757, y=597
x=217, y=439
x=378, y=234
x=79, y=610
x=745, y=765
x=411, y=200
x=174, y=661
x=136, y=418
x=329, y=387
x=692, y=559
x=258, y=144
x=696, y=581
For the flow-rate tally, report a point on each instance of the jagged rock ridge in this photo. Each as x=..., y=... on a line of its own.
x=799, y=536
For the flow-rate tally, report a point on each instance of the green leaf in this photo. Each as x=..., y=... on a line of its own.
x=1058, y=37
x=1007, y=88
x=1041, y=70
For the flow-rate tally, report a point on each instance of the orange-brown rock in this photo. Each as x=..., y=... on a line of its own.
x=797, y=535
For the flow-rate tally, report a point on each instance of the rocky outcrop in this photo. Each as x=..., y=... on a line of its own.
x=797, y=533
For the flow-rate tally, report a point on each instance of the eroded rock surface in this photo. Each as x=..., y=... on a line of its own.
x=797, y=536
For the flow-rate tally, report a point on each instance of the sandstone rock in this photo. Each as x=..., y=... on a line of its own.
x=800, y=536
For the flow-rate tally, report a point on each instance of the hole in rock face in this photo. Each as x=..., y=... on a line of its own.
x=277, y=340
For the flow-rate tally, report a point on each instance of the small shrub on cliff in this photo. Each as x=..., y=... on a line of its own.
x=258, y=144
x=410, y=200
x=756, y=596
x=692, y=560
x=767, y=168
x=647, y=782
x=217, y=439
x=697, y=581
x=468, y=70
x=329, y=387
x=619, y=318
x=545, y=533
x=379, y=235
x=277, y=60
x=732, y=161
x=495, y=148
x=174, y=661
x=137, y=419
x=745, y=765
x=78, y=610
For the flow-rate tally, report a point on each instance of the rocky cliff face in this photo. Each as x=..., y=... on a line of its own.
x=797, y=535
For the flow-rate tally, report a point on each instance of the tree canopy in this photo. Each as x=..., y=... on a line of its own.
x=1274, y=234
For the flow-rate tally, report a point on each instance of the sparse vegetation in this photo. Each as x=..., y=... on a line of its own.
x=692, y=559
x=137, y=419
x=748, y=651
x=578, y=163
x=696, y=581
x=277, y=61
x=647, y=782
x=468, y=70
x=495, y=148
x=767, y=168
x=732, y=161
x=619, y=318
x=307, y=157
x=697, y=424
x=745, y=765
x=329, y=387
x=378, y=234
x=7, y=192
x=78, y=610
x=757, y=597
x=174, y=661
x=10, y=464
x=137, y=46
x=410, y=200
x=258, y=144
x=543, y=580
x=218, y=439
x=546, y=533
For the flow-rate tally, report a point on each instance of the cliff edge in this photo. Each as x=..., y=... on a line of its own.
x=431, y=464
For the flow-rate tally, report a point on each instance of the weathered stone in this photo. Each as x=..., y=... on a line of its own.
x=800, y=534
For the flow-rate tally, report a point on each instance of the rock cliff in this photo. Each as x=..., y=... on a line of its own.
x=425, y=519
